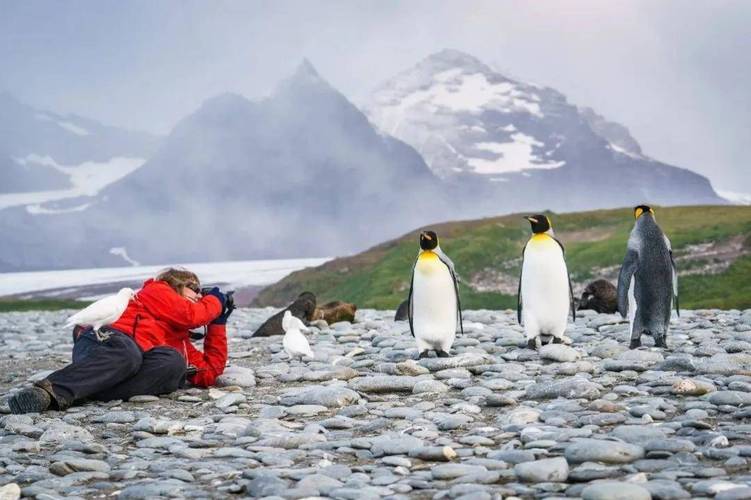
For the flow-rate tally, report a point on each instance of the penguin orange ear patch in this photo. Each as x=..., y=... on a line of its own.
x=641, y=209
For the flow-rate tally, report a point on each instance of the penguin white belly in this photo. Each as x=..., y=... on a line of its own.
x=545, y=290
x=631, y=305
x=434, y=308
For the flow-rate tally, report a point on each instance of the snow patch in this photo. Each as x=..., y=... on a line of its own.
x=69, y=126
x=736, y=198
x=122, y=252
x=448, y=75
x=512, y=156
x=40, y=210
x=453, y=91
x=619, y=149
x=232, y=274
x=72, y=127
x=87, y=179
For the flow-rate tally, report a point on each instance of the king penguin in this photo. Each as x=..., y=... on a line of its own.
x=545, y=297
x=434, y=305
x=648, y=281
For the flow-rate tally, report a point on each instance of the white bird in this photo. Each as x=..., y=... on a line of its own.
x=294, y=342
x=104, y=311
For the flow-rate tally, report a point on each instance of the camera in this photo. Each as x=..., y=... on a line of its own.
x=229, y=303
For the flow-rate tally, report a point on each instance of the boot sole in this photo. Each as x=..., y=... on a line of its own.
x=26, y=403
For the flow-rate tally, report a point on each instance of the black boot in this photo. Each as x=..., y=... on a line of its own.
x=635, y=343
x=442, y=354
x=31, y=400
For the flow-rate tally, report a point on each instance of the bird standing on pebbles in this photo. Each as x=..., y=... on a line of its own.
x=294, y=342
x=545, y=296
x=434, y=305
x=648, y=281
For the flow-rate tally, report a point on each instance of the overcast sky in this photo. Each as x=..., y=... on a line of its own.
x=676, y=73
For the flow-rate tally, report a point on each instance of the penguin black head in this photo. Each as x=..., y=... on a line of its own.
x=428, y=240
x=642, y=209
x=540, y=223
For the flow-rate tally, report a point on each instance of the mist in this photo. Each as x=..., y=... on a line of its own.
x=675, y=73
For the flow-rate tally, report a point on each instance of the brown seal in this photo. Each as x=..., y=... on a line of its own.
x=336, y=311
x=303, y=308
x=600, y=295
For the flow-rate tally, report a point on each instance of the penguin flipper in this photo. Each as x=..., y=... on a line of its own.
x=458, y=304
x=628, y=268
x=519, y=305
x=450, y=265
x=571, y=297
x=675, y=284
x=410, y=312
x=570, y=288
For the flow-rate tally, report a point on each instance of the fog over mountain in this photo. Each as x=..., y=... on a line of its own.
x=300, y=173
x=305, y=173
x=39, y=149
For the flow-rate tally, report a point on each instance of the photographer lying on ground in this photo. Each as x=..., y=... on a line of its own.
x=146, y=351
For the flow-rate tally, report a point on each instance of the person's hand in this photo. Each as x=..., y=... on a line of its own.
x=219, y=295
x=229, y=306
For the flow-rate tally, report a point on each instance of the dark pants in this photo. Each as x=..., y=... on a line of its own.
x=114, y=367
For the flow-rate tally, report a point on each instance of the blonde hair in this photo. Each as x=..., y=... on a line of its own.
x=178, y=278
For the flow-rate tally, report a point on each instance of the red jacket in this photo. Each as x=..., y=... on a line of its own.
x=158, y=316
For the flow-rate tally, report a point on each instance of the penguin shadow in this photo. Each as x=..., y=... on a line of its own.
x=656, y=343
x=436, y=354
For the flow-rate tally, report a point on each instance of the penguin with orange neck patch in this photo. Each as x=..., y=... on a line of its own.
x=648, y=280
x=545, y=297
x=434, y=306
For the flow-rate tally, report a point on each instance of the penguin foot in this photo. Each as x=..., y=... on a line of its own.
x=556, y=340
x=635, y=343
x=532, y=344
x=423, y=354
x=660, y=342
x=442, y=354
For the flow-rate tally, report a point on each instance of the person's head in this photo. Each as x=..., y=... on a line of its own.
x=184, y=282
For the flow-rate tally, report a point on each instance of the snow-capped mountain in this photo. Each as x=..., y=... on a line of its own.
x=305, y=173
x=46, y=158
x=521, y=144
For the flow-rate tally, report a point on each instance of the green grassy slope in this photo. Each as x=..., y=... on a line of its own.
x=379, y=277
x=7, y=305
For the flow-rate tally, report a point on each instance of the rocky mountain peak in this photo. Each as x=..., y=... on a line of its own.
x=452, y=58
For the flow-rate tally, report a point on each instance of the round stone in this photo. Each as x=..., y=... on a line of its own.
x=543, y=471
x=596, y=450
x=614, y=490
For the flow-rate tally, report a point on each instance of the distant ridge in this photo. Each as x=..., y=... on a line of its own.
x=712, y=245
